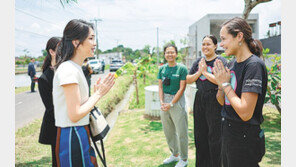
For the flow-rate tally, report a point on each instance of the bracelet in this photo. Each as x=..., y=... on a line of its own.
x=228, y=91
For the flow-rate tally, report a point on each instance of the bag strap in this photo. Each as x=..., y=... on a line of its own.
x=103, y=159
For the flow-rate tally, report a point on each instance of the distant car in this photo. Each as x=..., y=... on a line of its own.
x=115, y=65
x=95, y=65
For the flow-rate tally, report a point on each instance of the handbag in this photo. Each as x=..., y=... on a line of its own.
x=98, y=124
x=98, y=130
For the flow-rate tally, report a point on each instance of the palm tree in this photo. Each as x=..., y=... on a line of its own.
x=63, y=2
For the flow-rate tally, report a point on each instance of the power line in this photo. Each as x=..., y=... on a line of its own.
x=17, y=29
x=29, y=14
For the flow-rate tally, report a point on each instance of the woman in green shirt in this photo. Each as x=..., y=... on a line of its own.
x=172, y=83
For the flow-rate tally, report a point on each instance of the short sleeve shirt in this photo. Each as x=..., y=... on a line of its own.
x=202, y=84
x=175, y=74
x=68, y=73
x=248, y=76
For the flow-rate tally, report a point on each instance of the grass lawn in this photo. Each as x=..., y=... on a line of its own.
x=24, y=89
x=136, y=141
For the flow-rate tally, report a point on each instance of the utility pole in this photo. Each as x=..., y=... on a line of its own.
x=195, y=41
x=117, y=40
x=96, y=31
x=157, y=49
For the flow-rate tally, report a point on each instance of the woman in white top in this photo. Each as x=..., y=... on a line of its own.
x=72, y=103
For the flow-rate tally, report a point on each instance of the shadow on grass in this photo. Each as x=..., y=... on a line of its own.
x=173, y=164
x=152, y=127
x=40, y=162
x=272, y=126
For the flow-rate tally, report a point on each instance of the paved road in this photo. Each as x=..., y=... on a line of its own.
x=29, y=106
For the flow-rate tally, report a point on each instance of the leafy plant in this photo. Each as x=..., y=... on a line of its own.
x=273, y=94
x=142, y=67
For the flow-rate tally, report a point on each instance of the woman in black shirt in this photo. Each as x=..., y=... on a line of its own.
x=242, y=90
x=48, y=130
x=206, y=109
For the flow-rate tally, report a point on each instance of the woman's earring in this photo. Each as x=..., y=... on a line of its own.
x=240, y=44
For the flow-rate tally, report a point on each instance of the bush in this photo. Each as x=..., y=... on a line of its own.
x=273, y=94
x=116, y=94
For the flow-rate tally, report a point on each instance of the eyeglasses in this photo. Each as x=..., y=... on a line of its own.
x=170, y=53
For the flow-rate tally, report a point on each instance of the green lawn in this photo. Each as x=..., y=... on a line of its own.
x=24, y=89
x=136, y=141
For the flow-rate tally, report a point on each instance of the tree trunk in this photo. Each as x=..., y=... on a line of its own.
x=144, y=78
x=136, y=85
x=278, y=108
x=249, y=5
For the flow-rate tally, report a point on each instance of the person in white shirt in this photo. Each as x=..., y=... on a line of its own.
x=71, y=100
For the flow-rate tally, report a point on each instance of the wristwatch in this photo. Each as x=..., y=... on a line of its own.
x=225, y=84
x=172, y=105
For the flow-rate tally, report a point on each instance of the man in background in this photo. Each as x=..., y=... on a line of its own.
x=32, y=74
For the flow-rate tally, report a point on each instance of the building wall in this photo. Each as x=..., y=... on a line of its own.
x=211, y=24
x=273, y=43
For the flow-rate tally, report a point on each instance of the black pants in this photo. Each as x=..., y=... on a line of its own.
x=53, y=156
x=207, y=129
x=32, y=84
x=88, y=79
x=243, y=144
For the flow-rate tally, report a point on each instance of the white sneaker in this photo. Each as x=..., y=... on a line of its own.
x=171, y=159
x=182, y=163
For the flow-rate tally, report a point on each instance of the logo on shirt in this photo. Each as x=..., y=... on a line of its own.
x=253, y=82
x=233, y=83
x=210, y=70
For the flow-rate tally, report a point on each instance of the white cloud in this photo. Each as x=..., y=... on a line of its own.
x=35, y=26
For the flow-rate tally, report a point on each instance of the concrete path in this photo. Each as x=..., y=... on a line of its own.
x=29, y=106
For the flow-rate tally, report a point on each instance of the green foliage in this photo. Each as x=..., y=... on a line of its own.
x=151, y=79
x=116, y=94
x=228, y=58
x=273, y=94
x=63, y=2
x=44, y=52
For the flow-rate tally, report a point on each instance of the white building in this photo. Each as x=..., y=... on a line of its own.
x=211, y=24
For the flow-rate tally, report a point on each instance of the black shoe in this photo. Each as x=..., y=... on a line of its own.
x=33, y=91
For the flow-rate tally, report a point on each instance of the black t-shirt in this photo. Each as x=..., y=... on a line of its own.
x=248, y=76
x=202, y=84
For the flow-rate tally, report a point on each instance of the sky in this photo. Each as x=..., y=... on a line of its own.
x=132, y=23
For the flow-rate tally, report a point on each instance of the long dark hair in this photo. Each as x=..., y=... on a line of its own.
x=51, y=44
x=236, y=25
x=74, y=30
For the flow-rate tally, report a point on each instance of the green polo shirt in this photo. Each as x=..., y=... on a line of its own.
x=176, y=74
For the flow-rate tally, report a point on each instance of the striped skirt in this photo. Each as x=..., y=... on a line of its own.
x=73, y=147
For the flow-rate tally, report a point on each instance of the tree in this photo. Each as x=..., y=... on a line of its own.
x=250, y=4
x=44, y=52
x=63, y=2
x=146, y=49
x=140, y=69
